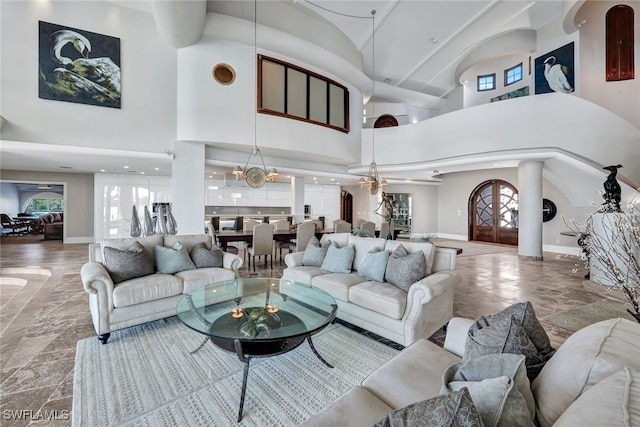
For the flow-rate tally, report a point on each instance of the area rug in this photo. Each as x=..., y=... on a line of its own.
x=579, y=317
x=146, y=376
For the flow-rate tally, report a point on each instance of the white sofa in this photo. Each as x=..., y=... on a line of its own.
x=382, y=308
x=593, y=379
x=144, y=299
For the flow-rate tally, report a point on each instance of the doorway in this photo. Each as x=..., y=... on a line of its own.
x=493, y=213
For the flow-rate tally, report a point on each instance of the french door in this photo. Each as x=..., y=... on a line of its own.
x=493, y=213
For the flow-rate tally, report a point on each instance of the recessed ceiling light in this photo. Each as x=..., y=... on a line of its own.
x=141, y=173
x=333, y=179
x=126, y=167
x=102, y=170
x=157, y=169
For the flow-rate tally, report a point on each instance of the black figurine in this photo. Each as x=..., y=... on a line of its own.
x=612, y=190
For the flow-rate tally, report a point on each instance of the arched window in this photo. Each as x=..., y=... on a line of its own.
x=619, y=43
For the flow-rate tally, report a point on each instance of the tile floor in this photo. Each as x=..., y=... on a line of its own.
x=44, y=312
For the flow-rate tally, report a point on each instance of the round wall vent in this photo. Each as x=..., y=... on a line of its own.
x=224, y=74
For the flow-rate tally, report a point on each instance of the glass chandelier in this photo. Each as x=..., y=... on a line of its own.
x=255, y=176
x=373, y=179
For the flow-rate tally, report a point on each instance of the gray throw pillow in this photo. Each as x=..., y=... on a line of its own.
x=498, y=386
x=405, y=269
x=513, y=330
x=204, y=257
x=129, y=264
x=455, y=409
x=313, y=255
x=338, y=259
x=374, y=264
x=172, y=260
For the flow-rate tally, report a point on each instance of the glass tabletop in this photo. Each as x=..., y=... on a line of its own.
x=254, y=309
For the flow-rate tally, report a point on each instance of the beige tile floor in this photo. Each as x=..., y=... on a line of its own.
x=45, y=313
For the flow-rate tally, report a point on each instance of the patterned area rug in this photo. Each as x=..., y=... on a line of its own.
x=146, y=376
x=578, y=318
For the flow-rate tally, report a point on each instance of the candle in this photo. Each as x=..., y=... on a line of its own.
x=272, y=308
x=236, y=312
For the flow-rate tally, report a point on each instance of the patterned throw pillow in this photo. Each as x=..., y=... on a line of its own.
x=314, y=254
x=204, y=257
x=405, y=269
x=129, y=264
x=374, y=264
x=451, y=409
x=172, y=260
x=338, y=259
x=513, y=330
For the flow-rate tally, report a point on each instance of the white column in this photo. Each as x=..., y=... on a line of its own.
x=297, y=198
x=530, y=210
x=188, y=187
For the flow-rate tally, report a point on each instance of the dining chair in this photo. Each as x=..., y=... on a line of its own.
x=385, y=230
x=262, y=244
x=283, y=225
x=214, y=239
x=247, y=227
x=358, y=222
x=304, y=233
x=336, y=222
x=343, y=227
x=369, y=227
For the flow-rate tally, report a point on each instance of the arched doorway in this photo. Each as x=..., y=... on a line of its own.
x=493, y=213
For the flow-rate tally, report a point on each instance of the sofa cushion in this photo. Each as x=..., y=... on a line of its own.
x=451, y=409
x=336, y=284
x=315, y=253
x=614, y=401
x=145, y=289
x=186, y=240
x=362, y=246
x=342, y=239
x=173, y=260
x=427, y=248
x=583, y=360
x=302, y=274
x=204, y=257
x=338, y=259
x=513, y=330
x=148, y=242
x=374, y=265
x=128, y=264
x=404, y=269
x=194, y=279
x=499, y=387
x=379, y=297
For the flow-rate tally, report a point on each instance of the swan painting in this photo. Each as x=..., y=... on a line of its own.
x=74, y=69
x=555, y=71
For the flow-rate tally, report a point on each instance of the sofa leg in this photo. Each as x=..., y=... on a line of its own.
x=104, y=337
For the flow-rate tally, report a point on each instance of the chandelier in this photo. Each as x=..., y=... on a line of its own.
x=373, y=180
x=255, y=176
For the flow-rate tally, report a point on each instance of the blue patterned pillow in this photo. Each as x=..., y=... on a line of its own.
x=374, y=264
x=405, y=269
x=338, y=260
x=172, y=260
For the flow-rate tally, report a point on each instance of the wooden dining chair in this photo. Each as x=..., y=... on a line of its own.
x=262, y=244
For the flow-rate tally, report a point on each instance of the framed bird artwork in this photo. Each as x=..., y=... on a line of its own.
x=554, y=71
x=78, y=66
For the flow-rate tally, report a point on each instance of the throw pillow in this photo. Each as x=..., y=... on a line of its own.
x=405, y=269
x=338, y=259
x=314, y=254
x=172, y=260
x=128, y=264
x=374, y=265
x=204, y=257
x=451, y=409
x=498, y=386
x=511, y=331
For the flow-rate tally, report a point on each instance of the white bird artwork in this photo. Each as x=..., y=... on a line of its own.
x=90, y=78
x=556, y=75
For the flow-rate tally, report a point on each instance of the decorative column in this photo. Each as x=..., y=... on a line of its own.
x=530, y=210
x=297, y=198
x=188, y=186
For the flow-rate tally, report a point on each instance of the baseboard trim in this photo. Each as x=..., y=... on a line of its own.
x=566, y=250
x=73, y=240
x=453, y=236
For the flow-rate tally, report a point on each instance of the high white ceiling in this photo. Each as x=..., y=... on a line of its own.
x=419, y=45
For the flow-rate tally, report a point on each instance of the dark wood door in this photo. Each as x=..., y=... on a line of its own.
x=493, y=213
x=346, y=207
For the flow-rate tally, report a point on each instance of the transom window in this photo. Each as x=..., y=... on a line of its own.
x=487, y=82
x=513, y=74
x=295, y=93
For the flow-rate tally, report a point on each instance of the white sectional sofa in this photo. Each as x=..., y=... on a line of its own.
x=152, y=297
x=593, y=379
x=380, y=307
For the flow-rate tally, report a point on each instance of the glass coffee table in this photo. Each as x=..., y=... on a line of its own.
x=257, y=317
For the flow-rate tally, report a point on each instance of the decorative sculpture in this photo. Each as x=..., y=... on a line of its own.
x=161, y=222
x=612, y=191
x=148, y=223
x=172, y=226
x=134, y=230
x=387, y=213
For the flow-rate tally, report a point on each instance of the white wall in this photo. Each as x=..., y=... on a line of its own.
x=147, y=118
x=9, y=199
